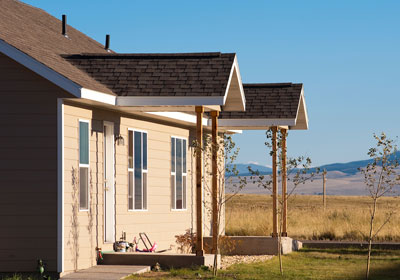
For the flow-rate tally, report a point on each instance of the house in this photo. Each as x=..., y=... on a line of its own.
x=95, y=143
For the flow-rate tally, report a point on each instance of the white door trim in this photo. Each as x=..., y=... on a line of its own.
x=111, y=125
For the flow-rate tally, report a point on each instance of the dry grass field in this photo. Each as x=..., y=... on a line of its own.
x=345, y=218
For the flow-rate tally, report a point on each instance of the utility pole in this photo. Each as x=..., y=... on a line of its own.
x=324, y=188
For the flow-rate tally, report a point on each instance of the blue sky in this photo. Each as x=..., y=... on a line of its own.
x=347, y=54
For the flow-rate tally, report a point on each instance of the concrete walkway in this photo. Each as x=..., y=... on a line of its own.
x=107, y=272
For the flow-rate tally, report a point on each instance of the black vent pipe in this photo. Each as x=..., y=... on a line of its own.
x=107, y=46
x=64, y=25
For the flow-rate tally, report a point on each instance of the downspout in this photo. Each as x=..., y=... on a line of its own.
x=60, y=185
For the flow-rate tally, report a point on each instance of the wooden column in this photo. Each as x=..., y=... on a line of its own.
x=215, y=225
x=199, y=179
x=274, y=183
x=284, y=183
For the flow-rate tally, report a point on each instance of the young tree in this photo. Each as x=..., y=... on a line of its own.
x=227, y=176
x=381, y=178
x=298, y=171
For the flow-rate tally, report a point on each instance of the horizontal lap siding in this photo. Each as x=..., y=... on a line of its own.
x=159, y=221
x=28, y=168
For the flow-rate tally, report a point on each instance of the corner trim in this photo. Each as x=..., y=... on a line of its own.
x=60, y=185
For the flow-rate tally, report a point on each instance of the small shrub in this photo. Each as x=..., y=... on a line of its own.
x=186, y=242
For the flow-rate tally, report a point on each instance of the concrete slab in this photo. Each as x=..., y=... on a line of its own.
x=257, y=245
x=165, y=260
x=107, y=272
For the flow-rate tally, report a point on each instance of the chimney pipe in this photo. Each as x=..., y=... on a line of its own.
x=107, y=46
x=64, y=25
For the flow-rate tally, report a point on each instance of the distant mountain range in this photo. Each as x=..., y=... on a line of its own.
x=349, y=168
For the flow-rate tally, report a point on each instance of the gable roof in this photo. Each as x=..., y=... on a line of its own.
x=174, y=74
x=269, y=104
x=269, y=101
x=38, y=34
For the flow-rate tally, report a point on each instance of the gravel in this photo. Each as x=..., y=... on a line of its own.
x=227, y=261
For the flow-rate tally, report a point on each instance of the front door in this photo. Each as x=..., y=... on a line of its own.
x=109, y=185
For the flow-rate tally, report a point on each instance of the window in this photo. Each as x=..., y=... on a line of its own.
x=178, y=173
x=83, y=165
x=137, y=170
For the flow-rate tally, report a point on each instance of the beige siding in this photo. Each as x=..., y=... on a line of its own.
x=84, y=230
x=28, y=168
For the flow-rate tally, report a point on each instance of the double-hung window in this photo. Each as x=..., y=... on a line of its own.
x=83, y=165
x=178, y=173
x=137, y=170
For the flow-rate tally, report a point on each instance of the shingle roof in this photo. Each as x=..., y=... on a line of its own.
x=183, y=74
x=269, y=101
x=38, y=34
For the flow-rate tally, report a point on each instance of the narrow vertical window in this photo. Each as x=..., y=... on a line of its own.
x=137, y=170
x=178, y=173
x=83, y=165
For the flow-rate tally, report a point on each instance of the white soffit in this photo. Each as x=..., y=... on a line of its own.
x=254, y=124
x=184, y=117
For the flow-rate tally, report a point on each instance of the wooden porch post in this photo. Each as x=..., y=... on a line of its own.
x=274, y=183
x=284, y=183
x=215, y=225
x=199, y=178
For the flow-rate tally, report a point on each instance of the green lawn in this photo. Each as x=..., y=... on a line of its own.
x=306, y=264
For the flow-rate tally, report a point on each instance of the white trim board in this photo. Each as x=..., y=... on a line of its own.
x=192, y=119
x=60, y=185
x=169, y=101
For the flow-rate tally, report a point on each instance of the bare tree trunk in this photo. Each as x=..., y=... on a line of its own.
x=324, y=189
x=371, y=228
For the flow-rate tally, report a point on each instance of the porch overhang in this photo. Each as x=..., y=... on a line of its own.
x=258, y=117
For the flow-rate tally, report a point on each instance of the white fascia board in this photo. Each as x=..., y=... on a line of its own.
x=192, y=119
x=168, y=101
x=40, y=69
x=255, y=122
x=98, y=96
x=303, y=101
x=235, y=65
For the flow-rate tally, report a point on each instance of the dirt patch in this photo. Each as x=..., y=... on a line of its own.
x=227, y=261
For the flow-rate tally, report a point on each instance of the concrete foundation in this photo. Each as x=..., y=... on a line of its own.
x=165, y=260
x=257, y=245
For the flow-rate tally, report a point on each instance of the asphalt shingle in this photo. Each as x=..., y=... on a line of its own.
x=269, y=101
x=177, y=74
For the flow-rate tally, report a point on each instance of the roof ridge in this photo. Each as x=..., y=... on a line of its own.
x=145, y=55
x=270, y=85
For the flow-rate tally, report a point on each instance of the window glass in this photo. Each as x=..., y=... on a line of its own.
x=144, y=150
x=83, y=142
x=138, y=169
x=130, y=152
x=178, y=173
x=83, y=188
x=172, y=154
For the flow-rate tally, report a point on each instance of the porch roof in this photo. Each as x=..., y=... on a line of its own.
x=269, y=105
x=149, y=82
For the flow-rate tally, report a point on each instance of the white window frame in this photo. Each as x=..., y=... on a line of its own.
x=143, y=170
x=184, y=175
x=84, y=165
